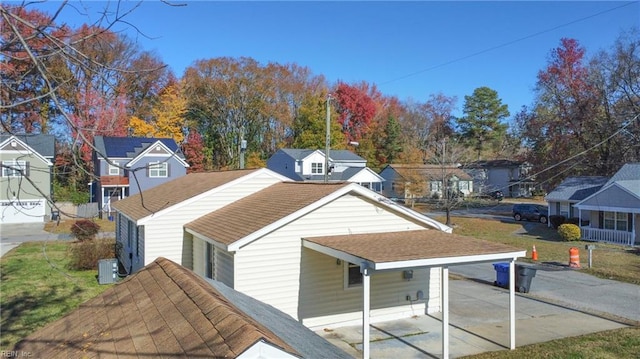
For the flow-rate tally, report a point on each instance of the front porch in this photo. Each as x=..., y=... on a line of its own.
x=591, y=234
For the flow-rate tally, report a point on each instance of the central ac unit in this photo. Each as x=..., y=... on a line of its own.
x=107, y=271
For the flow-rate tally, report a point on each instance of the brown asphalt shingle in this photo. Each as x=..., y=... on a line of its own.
x=410, y=245
x=173, y=192
x=254, y=212
x=162, y=310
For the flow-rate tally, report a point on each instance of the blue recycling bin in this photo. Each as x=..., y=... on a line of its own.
x=502, y=274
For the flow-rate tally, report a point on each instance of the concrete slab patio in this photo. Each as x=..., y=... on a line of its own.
x=479, y=317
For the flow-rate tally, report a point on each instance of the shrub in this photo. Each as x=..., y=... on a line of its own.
x=556, y=220
x=569, y=232
x=85, y=229
x=573, y=220
x=86, y=254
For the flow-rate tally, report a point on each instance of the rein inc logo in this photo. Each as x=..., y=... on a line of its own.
x=15, y=354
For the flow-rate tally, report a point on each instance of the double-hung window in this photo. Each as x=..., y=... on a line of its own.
x=114, y=170
x=158, y=169
x=316, y=168
x=14, y=169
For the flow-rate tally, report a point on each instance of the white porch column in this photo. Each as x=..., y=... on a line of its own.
x=366, y=306
x=445, y=311
x=512, y=305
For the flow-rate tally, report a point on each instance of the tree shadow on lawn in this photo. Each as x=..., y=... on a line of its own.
x=32, y=309
x=536, y=230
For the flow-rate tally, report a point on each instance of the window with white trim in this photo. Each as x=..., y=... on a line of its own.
x=14, y=168
x=618, y=221
x=210, y=261
x=316, y=167
x=353, y=277
x=114, y=170
x=158, y=169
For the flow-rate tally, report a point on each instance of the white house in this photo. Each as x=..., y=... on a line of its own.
x=614, y=210
x=150, y=224
x=327, y=254
x=424, y=180
x=308, y=165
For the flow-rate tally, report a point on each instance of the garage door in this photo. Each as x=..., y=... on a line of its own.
x=22, y=211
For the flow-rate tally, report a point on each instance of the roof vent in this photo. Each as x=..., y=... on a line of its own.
x=14, y=144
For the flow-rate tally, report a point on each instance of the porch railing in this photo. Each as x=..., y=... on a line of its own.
x=607, y=235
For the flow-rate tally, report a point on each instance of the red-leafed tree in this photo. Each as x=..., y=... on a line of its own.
x=193, y=149
x=96, y=116
x=28, y=37
x=356, y=109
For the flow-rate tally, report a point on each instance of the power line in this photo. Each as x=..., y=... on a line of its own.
x=504, y=44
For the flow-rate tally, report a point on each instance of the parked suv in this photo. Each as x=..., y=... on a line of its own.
x=530, y=212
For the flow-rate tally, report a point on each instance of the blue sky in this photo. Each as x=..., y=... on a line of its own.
x=408, y=49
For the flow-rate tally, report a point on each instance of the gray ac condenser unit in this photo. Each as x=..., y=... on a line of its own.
x=107, y=271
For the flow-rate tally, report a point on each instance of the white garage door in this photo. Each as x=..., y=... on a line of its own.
x=22, y=211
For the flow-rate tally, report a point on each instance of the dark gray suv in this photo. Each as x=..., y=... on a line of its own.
x=530, y=212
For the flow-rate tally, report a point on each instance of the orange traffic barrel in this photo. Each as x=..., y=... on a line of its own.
x=574, y=257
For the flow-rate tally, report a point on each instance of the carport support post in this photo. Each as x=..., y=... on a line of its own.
x=512, y=305
x=445, y=311
x=366, y=306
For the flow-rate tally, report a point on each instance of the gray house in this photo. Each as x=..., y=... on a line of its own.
x=614, y=210
x=308, y=165
x=424, y=181
x=26, y=163
x=513, y=178
x=124, y=166
x=562, y=199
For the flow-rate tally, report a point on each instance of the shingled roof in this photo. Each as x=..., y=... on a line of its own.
x=173, y=192
x=165, y=310
x=261, y=209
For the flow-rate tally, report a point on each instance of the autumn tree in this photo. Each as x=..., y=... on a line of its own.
x=582, y=120
x=167, y=119
x=355, y=108
x=309, y=127
x=482, y=121
x=193, y=149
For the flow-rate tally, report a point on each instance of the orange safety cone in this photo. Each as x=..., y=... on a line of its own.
x=534, y=254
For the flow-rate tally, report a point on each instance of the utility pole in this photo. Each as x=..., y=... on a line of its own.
x=327, y=140
x=243, y=147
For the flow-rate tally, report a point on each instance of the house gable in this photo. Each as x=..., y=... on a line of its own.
x=157, y=149
x=614, y=197
x=13, y=145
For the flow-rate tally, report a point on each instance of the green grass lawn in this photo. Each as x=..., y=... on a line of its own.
x=36, y=288
x=609, y=261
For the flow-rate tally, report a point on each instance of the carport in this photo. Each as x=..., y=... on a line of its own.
x=394, y=251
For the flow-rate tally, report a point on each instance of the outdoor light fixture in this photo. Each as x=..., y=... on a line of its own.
x=338, y=261
x=407, y=274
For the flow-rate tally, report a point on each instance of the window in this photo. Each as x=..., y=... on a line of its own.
x=354, y=277
x=210, y=268
x=618, y=221
x=316, y=168
x=158, y=169
x=15, y=168
x=114, y=170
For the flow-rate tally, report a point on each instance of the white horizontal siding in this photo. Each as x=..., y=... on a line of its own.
x=164, y=235
x=306, y=284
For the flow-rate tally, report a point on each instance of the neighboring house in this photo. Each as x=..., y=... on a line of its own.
x=614, y=210
x=150, y=225
x=308, y=165
x=513, y=178
x=424, y=181
x=26, y=177
x=165, y=310
x=562, y=199
x=124, y=166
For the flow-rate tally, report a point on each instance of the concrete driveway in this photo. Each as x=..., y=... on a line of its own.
x=561, y=303
x=12, y=235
